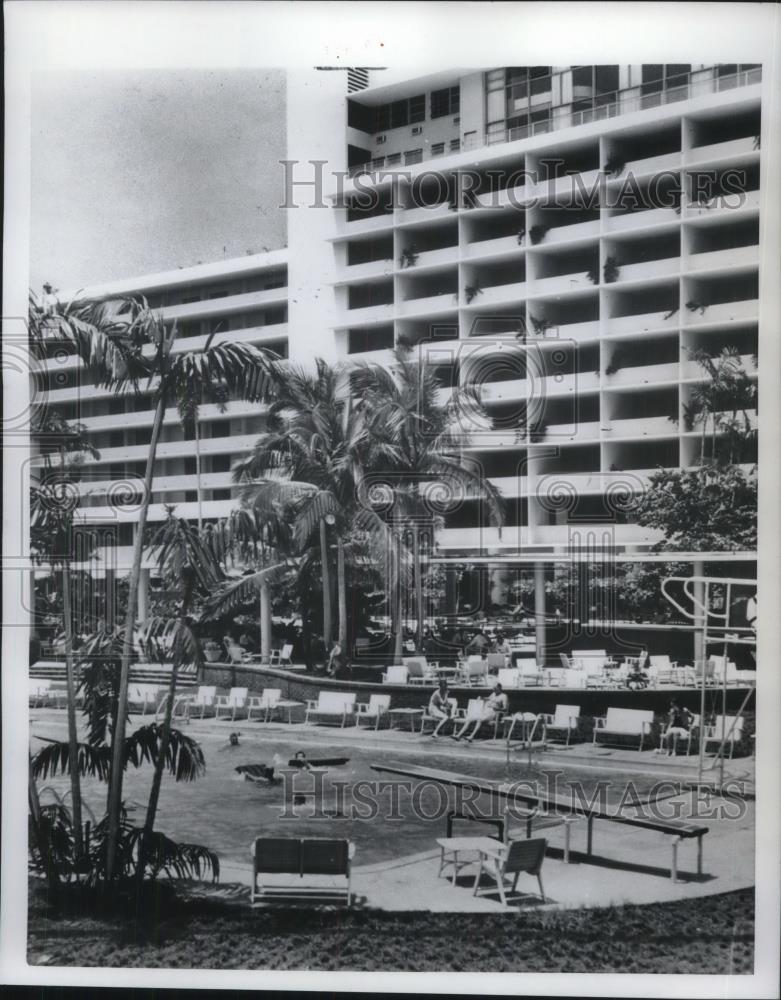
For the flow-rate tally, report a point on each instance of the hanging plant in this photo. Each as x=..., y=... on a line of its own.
x=471, y=292
x=521, y=235
x=694, y=306
x=610, y=270
x=540, y=326
x=614, y=165
x=409, y=257
x=593, y=275
x=537, y=234
x=671, y=313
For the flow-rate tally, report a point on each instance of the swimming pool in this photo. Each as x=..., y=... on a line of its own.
x=225, y=812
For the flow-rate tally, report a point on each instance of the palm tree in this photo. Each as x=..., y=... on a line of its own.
x=313, y=457
x=727, y=390
x=121, y=342
x=415, y=438
x=51, y=542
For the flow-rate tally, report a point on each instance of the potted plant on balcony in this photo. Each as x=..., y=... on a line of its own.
x=694, y=305
x=472, y=291
x=614, y=165
x=212, y=651
x=593, y=274
x=537, y=234
x=409, y=257
x=540, y=325
x=521, y=236
x=610, y=270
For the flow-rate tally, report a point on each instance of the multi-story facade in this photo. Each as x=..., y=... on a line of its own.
x=563, y=236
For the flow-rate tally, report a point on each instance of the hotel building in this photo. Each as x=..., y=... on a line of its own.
x=562, y=236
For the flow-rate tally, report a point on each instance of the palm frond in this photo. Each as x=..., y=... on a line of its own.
x=53, y=759
x=243, y=590
x=183, y=756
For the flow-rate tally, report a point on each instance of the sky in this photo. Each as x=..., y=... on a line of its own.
x=137, y=171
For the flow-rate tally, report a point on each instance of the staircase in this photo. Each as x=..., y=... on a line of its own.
x=140, y=673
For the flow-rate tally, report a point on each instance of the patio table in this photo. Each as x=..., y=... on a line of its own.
x=451, y=847
x=405, y=713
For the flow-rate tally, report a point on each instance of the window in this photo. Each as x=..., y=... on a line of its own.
x=417, y=108
x=399, y=113
x=438, y=149
x=445, y=102
x=393, y=159
x=413, y=156
x=455, y=145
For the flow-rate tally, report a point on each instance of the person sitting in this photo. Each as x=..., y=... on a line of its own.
x=247, y=642
x=441, y=707
x=494, y=707
x=504, y=647
x=478, y=644
x=335, y=660
x=679, y=720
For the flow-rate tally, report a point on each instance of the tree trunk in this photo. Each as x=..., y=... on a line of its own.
x=326, y=585
x=397, y=609
x=341, y=580
x=118, y=735
x=265, y=624
x=198, y=474
x=419, y=603
x=73, y=740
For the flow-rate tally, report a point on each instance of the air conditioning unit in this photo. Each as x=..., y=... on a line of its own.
x=380, y=139
x=417, y=129
x=457, y=120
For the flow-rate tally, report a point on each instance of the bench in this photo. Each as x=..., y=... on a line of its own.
x=331, y=706
x=304, y=858
x=623, y=723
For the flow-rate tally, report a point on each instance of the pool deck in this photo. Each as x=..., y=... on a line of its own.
x=628, y=865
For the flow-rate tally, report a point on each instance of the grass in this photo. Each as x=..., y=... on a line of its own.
x=714, y=935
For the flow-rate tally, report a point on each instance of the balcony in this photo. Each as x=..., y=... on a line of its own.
x=433, y=258
x=648, y=165
x=512, y=197
x=642, y=323
x=559, y=284
x=555, y=188
x=569, y=234
x=162, y=484
x=226, y=305
x=648, y=269
x=367, y=314
x=691, y=371
x=577, y=332
x=718, y=151
x=630, y=221
x=371, y=269
x=429, y=304
x=620, y=534
x=511, y=486
x=747, y=201
x=555, y=433
x=483, y=539
x=358, y=227
x=144, y=418
x=501, y=247
x=173, y=449
x=643, y=375
x=641, y=427
x=157, y=512
x=415, y=216
x=497, y=294
x=723, y=312
x=594, y=483
x=719, y=259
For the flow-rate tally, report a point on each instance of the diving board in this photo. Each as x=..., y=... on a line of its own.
x=568, y=806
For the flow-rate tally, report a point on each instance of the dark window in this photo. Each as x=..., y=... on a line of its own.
x=399, y=113
x=445, y=102
x=417, y=108
x=383, y=118
x=581, y=76
x=606, y=79
x=437, y=149
x=189, y=467
x=652, y=78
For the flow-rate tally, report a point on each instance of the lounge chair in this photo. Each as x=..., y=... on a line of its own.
x=494, y=662
x=377, y=707
x=733, y=731
x=563, y=721
x=665, y=737
x=38, y=692
x=509, y=678
x=474, y=713
x=531, y=675
x=304, y=858
x=474, y=672
x=264, y=703
x=455, y=716
x=419, y=670
x=513, y=859
x=395, y=675
x=204, y=701
x=233, y=703
x=236, y=654
x=623, y=723
x=661, y=670
x=143, y=697
x=332, y=706
x=279, y=656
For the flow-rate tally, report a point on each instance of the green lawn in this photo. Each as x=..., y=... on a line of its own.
x=712, y=935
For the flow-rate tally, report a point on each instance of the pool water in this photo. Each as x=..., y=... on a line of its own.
x=225, y=812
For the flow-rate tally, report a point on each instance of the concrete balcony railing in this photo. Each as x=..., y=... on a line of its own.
x=432, y=258
x=427, y=304
x=161, y=484
x=502, y=246
x=207, y=413
x=374, y=224
x=697, y=431
x=561, y=187
x=172, y=449
x=639, y=427
x=648, y=165
x=370, y=269
x=644, y=375
x=630, y=221
x=554, y=433
x=495, y=294
x=648, y=269
x=717, y=151
x=366, y=314
x=642, y=323
x=747, y=201
x=723, y=312
x=226, y=305
x=569, y=234
x=408, y=216
x=593, y=482
x=734, y=257
x=157, y=512
x=511, y=486
x=559, y=284
x=512, y=197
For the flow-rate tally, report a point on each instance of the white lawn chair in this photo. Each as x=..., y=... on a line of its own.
x=279, y=656
x=418, y=670
x=531, y=675
x=733, y=732
x=564, y=720
x=395, y=675
x=666, y=736
x=377, y=707
x=661, y=670
x=233, y=704
x=264, y=703
x=204, y=701
x=509, y=678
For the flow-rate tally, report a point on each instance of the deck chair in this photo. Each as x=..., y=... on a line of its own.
x=733, y=732
x=661, y=669
x=494, y=662
x=395, y=675
x=377, y=706
x=236, y=654
x=233, y=703
x=474, y=671
x=509, y=678
x=204, y=701
x=567, y=662
x=563, y=721
x=265, y=703
x=417, y=670
x=473, y=713
x=521, y=856
x=531, y=675
x=665, y=737
x=283, y=655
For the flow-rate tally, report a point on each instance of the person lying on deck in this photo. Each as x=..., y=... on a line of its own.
x=494, y=706
x=441, y=707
